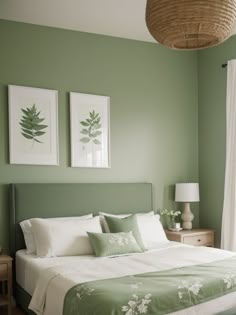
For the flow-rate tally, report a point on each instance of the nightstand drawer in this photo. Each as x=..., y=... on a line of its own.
x=198, y=240
x=3, y=272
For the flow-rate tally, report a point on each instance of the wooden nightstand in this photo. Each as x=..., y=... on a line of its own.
x=196, y=237
x=6, y=282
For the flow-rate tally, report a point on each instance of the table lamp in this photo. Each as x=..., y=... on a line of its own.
x=187, y=192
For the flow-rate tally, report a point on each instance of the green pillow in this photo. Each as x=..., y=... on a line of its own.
x=110, y=244
x=125, y=225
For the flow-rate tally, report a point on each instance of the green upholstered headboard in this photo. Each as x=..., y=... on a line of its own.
x=57, y=200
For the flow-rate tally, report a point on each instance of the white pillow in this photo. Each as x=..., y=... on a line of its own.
x=105, y=225
x=64, y=238
x=150, y=228
x=28, y=236
x=28, y=231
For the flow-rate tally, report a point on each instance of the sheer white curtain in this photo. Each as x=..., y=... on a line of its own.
x=228, y=235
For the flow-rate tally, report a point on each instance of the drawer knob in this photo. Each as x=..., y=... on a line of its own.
x=199, y=240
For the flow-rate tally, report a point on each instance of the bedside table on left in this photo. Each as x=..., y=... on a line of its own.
x=6, y=282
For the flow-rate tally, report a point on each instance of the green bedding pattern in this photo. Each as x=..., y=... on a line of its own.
x=153, y=293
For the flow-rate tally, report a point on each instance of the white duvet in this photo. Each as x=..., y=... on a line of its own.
x=54, y=282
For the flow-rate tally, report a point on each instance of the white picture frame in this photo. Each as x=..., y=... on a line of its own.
x=33, y=126
x=90, y=130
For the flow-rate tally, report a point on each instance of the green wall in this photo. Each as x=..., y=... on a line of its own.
x=154, y=106
x=212, y=131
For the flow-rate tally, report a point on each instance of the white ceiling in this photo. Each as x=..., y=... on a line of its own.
x=119, y=18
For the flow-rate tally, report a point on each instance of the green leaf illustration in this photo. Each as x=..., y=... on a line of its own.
x=30, y=124
x=85, y=140
x=84, y=132
x=97, y=126
x=91, y=128
x=96, y=141
x=84, y=123
x=96, y=133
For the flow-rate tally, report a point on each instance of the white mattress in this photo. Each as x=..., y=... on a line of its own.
x=58, y=275
x=29, y=267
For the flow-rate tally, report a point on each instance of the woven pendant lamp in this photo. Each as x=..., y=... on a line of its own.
x=190, y=24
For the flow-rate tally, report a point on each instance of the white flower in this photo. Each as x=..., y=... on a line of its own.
x=195, y=288
x=83, y=291
x=230, y=280
x=189, y=287
x=142, y=308
x=180, y=295
x=137, y=306
x=170, y=213
x=122, y=239
x=131, y=303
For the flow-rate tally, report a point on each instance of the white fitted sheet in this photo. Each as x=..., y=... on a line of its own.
x=29, y=267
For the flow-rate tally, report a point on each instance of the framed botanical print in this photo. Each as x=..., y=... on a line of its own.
x=90, y=130
x=33, y=125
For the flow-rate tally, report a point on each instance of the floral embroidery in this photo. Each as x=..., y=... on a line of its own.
x=189, y=288
x=83, y=291
x=230, y=280
x=137, y=305
x=122, y=239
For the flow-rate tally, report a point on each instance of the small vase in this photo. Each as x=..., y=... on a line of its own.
x=171, y=223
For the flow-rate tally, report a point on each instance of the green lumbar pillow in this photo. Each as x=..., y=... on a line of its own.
x=110, y=244
x=125, y=225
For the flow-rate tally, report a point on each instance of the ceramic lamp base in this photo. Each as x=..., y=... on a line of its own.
x=187, y=217
x=187, y=225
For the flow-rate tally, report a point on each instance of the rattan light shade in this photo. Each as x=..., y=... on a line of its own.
x=190, y=24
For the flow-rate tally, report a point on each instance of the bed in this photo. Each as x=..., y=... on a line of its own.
x=56, y=282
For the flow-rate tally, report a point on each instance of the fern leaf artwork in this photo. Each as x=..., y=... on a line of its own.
x=91, y=128
x=31, y=124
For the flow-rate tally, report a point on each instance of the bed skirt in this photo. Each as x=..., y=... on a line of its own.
x=23, y=299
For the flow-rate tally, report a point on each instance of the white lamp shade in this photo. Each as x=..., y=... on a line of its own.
x=187, y=192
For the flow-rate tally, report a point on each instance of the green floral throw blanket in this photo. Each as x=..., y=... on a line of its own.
x=154, y=293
